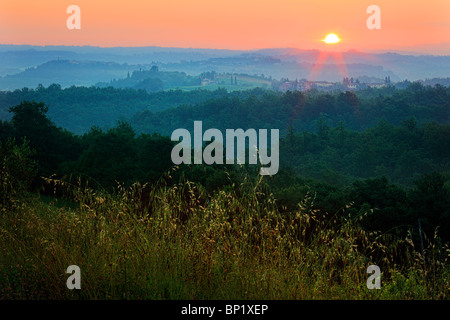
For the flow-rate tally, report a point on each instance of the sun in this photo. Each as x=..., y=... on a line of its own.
x=331, y=39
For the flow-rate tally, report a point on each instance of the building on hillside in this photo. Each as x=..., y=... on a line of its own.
x=296, y=85
x=206, y=82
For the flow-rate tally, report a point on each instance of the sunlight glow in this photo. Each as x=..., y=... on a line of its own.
x=331, y=38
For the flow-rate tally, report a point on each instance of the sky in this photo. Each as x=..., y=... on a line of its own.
x=230, y=24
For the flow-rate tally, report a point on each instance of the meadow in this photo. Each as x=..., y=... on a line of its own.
x=178, y=241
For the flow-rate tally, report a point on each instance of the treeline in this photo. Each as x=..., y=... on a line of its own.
x=154, y=80
x=79, y=108
x=333, y=168
x=337, y=155
x=103, y=157
x=302, y=110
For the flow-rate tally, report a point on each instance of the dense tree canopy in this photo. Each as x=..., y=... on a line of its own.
x=392, y=169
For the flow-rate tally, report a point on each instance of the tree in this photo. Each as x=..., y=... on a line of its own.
x=389, y=203
x=430, y=201
x=109, y=156
x=322, y=129
x=53, y=145
x=17, y=171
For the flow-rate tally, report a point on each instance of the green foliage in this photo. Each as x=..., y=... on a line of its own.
x=383, y=205
x=302, y=110
x=430, y=202
x=17, y=171
x=154, y=80
x=236, y=245
x=53, y=145
x=117, y=155
x=337, y=155
x=79, y=108
x=345, y=197
x=337, y=166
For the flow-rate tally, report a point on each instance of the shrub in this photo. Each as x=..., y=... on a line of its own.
x=17, y=171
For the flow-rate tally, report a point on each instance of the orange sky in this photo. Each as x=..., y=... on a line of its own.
x=230, y=24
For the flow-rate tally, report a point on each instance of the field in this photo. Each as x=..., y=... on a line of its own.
x=244, y=82
x=174, y=242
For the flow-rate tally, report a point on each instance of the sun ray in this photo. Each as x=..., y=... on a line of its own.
x=340, y=64
x=318, y=65
x=323, y=56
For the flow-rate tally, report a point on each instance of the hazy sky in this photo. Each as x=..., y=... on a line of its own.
x=229, y=24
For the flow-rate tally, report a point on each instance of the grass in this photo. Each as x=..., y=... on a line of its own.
x=179, y=242
x=223, y=82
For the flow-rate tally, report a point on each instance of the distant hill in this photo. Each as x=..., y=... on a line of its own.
x=16, y=58
x=66, y=73
x=435, y=81
x=173, y=75
x=153, y=80
x=399, y=66
x=28, y=66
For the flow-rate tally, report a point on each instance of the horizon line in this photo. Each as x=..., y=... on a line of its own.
x=375, y=48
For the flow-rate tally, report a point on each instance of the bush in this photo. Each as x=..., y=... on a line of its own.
x=17, y=171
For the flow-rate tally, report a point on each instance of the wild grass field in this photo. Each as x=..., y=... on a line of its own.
x=180, y=242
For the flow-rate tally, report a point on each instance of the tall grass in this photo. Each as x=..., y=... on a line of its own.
x=181, y=242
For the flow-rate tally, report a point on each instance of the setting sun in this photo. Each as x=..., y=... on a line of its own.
x=331, y=38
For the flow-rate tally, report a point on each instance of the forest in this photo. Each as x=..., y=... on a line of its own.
x=78, y=109
x=364, y=173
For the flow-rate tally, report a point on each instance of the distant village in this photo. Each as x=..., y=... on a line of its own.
x=346, y=84
x=283, y=85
